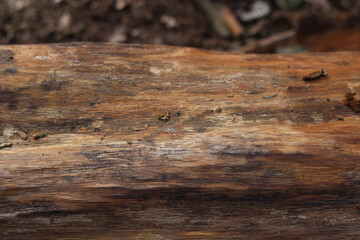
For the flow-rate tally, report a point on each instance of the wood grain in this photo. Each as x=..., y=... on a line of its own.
x=228, y=164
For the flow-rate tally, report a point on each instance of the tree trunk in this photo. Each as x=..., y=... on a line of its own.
x=156, y=142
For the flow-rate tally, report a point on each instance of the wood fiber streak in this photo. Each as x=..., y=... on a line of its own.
x=230, y=163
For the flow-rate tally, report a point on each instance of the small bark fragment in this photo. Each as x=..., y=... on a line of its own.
x=315, y=75
x=352, y=102
x=5, y=145
x=22, y=134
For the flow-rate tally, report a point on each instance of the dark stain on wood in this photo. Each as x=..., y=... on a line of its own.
x=299, y=114
x=51, y=84
x=6, y=56
x=352, y=102
x=8, y=97
x=10, y=70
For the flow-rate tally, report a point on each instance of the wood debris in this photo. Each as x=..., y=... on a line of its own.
x=5, y=145
x=315, y=75
x=164, y=117
x=39, y=135
x=22, y=134
x=231, y=22
x=257, y=27
x=216, y=110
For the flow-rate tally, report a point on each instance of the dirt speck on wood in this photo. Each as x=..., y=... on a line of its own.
x=315, y=75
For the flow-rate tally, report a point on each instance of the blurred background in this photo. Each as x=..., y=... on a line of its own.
x=266, y=26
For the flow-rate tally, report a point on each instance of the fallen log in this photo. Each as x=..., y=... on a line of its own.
x=155, y=142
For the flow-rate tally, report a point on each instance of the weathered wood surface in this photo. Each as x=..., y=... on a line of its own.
x=286, y=167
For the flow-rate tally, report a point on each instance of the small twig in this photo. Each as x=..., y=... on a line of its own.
x=231, y=22
x=214, y=13
x=267, y=42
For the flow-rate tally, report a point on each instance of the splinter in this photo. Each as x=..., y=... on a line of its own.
x=315, y=75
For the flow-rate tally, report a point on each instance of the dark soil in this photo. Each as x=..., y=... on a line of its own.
x=172, y=22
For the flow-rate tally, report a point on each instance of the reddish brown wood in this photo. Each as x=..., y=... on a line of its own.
x=229, y=163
